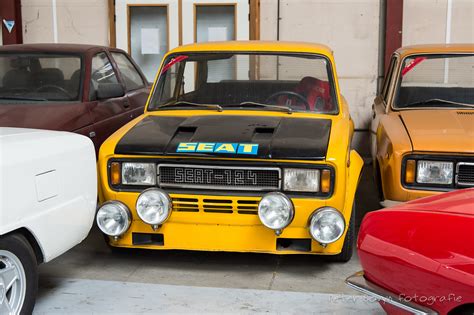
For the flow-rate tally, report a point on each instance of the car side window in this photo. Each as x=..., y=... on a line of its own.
x=388, y=79
x=130, y=75
x=101, y=72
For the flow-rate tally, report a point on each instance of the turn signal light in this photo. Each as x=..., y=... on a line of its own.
x=325, y=181
x=115, y=173
x=410, y=171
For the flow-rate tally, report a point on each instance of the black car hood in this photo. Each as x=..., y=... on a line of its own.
x=277, y=137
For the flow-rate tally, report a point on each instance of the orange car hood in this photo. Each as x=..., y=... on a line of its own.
x=440, y=130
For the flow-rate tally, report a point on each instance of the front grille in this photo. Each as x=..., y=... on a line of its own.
x=465, y=174
x=228, y=206
x=218, y=177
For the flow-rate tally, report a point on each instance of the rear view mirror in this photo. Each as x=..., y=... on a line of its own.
x=109, y=90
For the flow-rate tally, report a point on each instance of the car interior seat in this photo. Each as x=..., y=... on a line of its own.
x=19, y=77
x=317, y=93
x=49, y=76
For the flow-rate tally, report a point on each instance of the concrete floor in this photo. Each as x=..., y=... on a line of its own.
x=93, y=261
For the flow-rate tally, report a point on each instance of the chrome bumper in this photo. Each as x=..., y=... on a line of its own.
x=359, y=283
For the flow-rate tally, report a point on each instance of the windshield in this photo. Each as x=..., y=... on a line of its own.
x=436, y=81
x=39, y=77
x=294, y=82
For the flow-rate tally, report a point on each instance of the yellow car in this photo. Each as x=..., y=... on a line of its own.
x=243, y=146
x=423, y=123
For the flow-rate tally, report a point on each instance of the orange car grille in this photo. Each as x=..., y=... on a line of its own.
x=228, y=206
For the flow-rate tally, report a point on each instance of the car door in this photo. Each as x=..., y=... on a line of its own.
x=136, y=86
x=108, y=114
x=379, y=108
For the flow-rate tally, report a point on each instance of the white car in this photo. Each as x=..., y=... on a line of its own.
x=48, y=196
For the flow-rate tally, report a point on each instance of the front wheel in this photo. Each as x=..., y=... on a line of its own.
x=346, y=254
x=18, y=275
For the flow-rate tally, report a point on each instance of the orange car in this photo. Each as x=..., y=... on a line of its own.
x=422, y=132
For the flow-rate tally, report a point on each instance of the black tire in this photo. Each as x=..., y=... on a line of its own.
x=346, y=254
x=467, y=309
x=17, y=245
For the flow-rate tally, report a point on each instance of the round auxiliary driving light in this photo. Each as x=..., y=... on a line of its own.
x=326, y=225
x=113, y=218
x=154, y=206
x=275, y=211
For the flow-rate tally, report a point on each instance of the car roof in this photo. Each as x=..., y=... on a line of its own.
x=59, y=48
x=254, y=45
x=435, y=48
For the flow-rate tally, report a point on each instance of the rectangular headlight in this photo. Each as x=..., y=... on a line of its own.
x=434, y=172
x=138, y=174
x=304, y=180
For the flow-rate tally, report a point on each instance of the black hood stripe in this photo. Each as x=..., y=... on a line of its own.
x=277, y=137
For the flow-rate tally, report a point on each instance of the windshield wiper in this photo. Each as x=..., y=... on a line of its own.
x=185, y=103
x=437, y=101
x=256, y=104
x=22, y=98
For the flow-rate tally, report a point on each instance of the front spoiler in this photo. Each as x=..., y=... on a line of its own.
x=358, y=282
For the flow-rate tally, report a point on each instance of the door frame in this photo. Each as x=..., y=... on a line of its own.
x=129, y=26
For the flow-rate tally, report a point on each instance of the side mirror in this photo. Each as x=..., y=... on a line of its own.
x=109, y=90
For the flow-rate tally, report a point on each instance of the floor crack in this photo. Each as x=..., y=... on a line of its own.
x=274, y=273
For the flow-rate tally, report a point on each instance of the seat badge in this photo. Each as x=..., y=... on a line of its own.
x=217, y=147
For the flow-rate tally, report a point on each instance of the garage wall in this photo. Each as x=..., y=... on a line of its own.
x=426, y=21
x=78, y=21
x=351, y=29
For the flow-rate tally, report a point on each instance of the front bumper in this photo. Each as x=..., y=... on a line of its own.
x=226, y=223
x=359, y=283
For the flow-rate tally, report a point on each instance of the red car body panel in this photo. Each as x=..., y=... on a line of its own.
x=422, y=250
x=99, y=118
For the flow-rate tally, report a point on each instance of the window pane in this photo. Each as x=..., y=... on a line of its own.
x=40, y=77
x=216, y=23
x=132, y=78
x=148, y=37
x=101, y=72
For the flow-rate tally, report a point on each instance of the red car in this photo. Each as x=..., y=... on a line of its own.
x=91, y=90
x=419, y=257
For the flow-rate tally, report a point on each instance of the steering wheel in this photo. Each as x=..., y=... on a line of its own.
x=54, y=87
x=290, y=94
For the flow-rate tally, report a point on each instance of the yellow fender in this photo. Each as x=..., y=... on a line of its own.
x=355, y=171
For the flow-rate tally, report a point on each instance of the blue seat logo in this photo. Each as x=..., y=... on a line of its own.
x=216, y=147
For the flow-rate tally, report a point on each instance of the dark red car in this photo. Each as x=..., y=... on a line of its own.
x=419, y=257
x=91, y=90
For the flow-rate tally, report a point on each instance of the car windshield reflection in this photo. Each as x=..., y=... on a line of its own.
x=257, y=81
x=436, y=81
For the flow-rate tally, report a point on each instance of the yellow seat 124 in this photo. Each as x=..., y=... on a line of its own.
x=243, y=146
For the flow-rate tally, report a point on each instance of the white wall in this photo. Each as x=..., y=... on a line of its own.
x=425, y=21
x=78, y=21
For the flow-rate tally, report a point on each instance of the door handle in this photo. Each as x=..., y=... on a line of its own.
x=126, y=103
